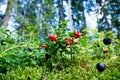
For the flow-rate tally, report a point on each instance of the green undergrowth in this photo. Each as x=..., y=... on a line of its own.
x=69, y=70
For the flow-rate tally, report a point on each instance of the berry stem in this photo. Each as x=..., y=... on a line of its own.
x=117, y=43
x=71, y=52
x=13, y=47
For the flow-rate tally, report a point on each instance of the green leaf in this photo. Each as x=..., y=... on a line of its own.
x=34, y=62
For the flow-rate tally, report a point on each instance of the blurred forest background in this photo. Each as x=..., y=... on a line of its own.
x=46, y=15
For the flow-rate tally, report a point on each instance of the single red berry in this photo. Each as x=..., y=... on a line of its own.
x=105, y=51
x=76, y=42
x=79, y=34
x=75, y=33
x=50, y=36
x=66, y=38
x=53, y=40
x=67, y=43
x=82, y=65
x=54, y=37
x=44, y=46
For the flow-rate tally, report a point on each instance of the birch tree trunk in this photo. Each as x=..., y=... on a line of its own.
x=70, y=16
x=60, y=11
x=6, y=18
x=83, y=14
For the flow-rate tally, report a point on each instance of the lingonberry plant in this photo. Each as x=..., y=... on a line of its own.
x=60, y=45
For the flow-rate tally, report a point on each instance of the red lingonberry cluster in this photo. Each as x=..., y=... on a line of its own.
x=53, y=38
x=77, y=35
x=68, y=41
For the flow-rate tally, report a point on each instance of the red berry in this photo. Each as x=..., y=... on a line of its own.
x=69, y=39
x=76, y=42
x=53, y=40
x=82, y=65
x=52, y=37
x=77, y=35
x=44, y=46
x=67, y=43
x=105, y=51
x=66, y=38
